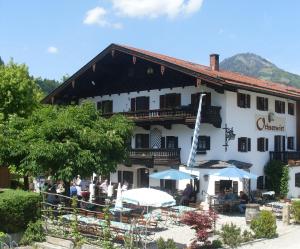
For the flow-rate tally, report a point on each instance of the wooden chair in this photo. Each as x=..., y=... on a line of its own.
x=100, y=216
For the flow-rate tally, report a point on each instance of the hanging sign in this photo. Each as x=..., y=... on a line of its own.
x=267, y=123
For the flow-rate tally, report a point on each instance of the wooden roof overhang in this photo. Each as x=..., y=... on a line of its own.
x=114, y=71
x=118, y=69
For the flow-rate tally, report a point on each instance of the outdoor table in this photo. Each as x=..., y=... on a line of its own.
x=182, y=209
x=94, y=221
x=116, y=211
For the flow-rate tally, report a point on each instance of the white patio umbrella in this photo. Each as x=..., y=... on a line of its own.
x=148, y=197
x=234, y=172
x=119, y=203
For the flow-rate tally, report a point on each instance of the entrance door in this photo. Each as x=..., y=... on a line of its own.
x=142, y=178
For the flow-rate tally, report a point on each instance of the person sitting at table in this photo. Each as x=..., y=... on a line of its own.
x=73, y=190
x=125, y=186
x=186, y=194
x=104, y=186
x=243, y=201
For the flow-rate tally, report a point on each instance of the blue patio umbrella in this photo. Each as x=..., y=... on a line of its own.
x=234, y=172
x=172, y=174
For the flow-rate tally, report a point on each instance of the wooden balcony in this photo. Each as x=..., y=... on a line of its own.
x=182, y=115
x=285, y=156
x=151, y=157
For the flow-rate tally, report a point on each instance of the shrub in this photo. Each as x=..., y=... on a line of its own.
x=264, y=226
x=2, y=236
x=284, y=182
x=17, y=209
x=215, y=244
x=231, y=235
x=34, y=233
x=202, y=223
x=166, y=244
x=296, y=211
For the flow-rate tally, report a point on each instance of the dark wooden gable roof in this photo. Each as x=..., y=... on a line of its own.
x=114, y=64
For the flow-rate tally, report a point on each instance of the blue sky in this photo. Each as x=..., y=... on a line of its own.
x=57, y=37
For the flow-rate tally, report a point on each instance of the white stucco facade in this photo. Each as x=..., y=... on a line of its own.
x=243, y=121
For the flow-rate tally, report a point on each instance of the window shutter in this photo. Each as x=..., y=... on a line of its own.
x=176, y=142
x=177, y=100
x=266, y=104
x=277, y=106
x=207, y=143
x=283, y=107
x=120, y=176
x=146, y=141
x=235, y=186
x=207, y=99
x=110, y=106
x=276, y=143
x=267, y=144
x=238, y=98
x=283, y=143
x=147, y=103
x=260, y=182
x=258, y=107
x=132, y=105
x=248, y=98
x=163, y=142
x=239, y=144
x=162, y=101
x=259, y=144
x=249, y=144
x=194, y=100
x=217, y=187
x=99, y=106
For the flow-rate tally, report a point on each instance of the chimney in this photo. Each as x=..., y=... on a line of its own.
x=214, y=62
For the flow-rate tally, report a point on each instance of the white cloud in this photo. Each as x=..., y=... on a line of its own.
x=52, y=50
x=156, y=8
x=98, y=16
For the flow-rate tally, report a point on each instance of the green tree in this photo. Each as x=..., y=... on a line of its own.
x=273, y=171
x=284, y=181
x=1, y=61
x=19, y=94
x=65, y=141
x=46, y=85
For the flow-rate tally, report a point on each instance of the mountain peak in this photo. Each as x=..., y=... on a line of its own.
x=256, y=66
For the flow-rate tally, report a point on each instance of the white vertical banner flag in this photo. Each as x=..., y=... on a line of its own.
x=193, y=152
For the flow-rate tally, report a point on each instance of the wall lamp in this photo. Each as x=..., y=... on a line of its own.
x=229, y=135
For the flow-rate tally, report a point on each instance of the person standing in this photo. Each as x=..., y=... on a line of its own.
x=186, y=194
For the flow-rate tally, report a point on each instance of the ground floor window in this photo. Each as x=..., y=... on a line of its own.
x=260, y=182
x=125, y=176
x=169, y=185
x=297, y=180
x=226, y=185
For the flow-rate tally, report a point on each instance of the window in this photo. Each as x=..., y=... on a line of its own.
x=279, y=143
x=140, y=104
x=290, y=143
x=262, y=103
x=195, y=98
x=279, y=106
x=203, y=144
x=244, y=144
x=172, y=142
x=243, y=100
x=291, y=109
x=125, y=176
x=262, y=144
x=260, y=182
x=105, y=106
x=141, y=141
x=297, y=180
x=171, y=100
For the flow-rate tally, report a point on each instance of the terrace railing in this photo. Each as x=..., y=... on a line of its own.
x=155, y=156
x=209, y=114
x=284, y=156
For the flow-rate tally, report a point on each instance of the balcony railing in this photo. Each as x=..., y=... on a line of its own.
x=284, y=156
x=155, y=156
x=187, y=115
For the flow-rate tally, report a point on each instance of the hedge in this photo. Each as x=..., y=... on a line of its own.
x=17, y=209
